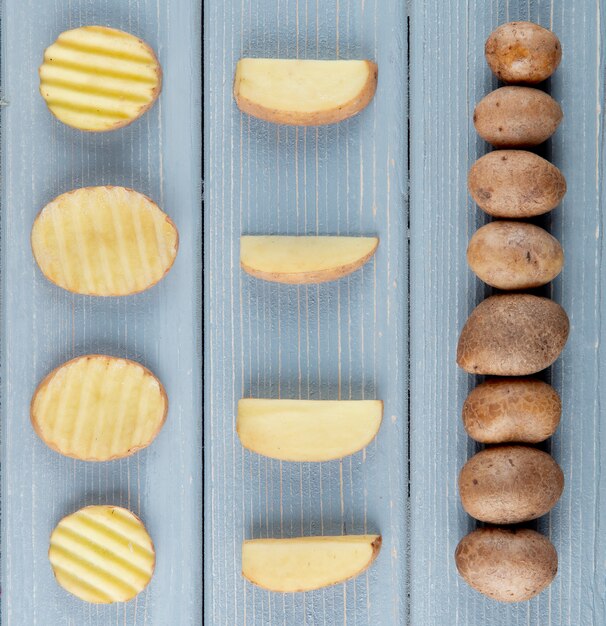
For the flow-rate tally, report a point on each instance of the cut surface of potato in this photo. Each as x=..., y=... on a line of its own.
x=104, y=241
x=307, y=430
x=304, y=92
x=299, y=260
x=102, y=554
x=98, y=408
x=306, y=563
x=96, y=78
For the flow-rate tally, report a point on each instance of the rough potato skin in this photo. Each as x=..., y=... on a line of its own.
x=508, y=565
x=515, y=184
x=523, y=52
x=514, y=255
x=512, y=335
x=504, y=410
x=510, y=484
x=517, y=117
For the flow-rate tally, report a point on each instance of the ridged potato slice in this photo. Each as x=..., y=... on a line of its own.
x=304, y=92
x=102, y=554
x=104, y=241
x=307, y=430
x=96, y=78
x=307, y=563
x=300, y=260
x=99, y=408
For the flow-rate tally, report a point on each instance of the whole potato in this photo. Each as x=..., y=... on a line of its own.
x=508, y=565
x=517, y=117
x=515, y=183
x=512, y=335
x=503, y=410
x=514, y=255
x=523, y=52
x=510, y=484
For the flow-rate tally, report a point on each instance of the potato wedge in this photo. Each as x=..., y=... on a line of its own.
x=104, y=241
x=102, y=554
x=307, y=430
x=304, y=92
x=307, y=563
x=99, y=408
x=301, y=260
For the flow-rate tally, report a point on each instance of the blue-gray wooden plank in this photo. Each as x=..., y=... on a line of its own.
x=448, y=76
x=344, y=339
x=43, y=325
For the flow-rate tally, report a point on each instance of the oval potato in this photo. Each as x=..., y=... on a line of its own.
x=510, y=484
x=517, y=117
x=503, y=410
x=508, y=565
x=523, y=52
x=512, y=335
x=99, y=408
x=515, y=184
x=104, y=241
x=514, y=255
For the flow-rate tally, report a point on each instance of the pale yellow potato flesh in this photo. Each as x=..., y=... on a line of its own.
x=307, y=430
x=104, y=241
x=96, y=78
x=99, y=408
x=300, y=260
x=304, y=92
x=307, y=563
x=102, y=554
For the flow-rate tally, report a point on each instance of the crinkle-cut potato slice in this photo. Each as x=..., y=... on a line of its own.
x=99, y=408
x=104, y=241
x=96, y=78
x=307, y=563
x=102, y=554
x=304, y=92
x=307, y=430
x=300, y=260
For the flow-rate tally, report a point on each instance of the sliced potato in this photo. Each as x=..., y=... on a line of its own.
x=98, y=408
x=104, y=241
x=307, y=430
x=304, y=92
x=96, y=78
x=102, y=554
x=306, y=563
x=300, y=260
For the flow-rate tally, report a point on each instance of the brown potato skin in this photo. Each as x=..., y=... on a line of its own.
x=517, y=117
x=523, y=52
x=508, y=565
x=512, y=335
x=506, y=410
x=510, y=484
x=515, y=184
x=514, y=255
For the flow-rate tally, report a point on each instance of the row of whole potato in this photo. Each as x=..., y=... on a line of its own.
x=512, y=336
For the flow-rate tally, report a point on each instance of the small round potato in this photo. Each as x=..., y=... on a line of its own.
x=510, y=484
x=512, y=335
x=523, y=52
x=508, y=565
x=504, y=410
x=517, y=117
x=514, y=255
x=515, y=184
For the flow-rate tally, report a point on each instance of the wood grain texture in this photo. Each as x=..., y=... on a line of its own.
x=344, y=339
x=448, y=76
x=42, y=325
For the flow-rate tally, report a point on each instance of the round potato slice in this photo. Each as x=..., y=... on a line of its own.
x=102, y=554
x=96, y=78
x=99, y=408
x=104, y=241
